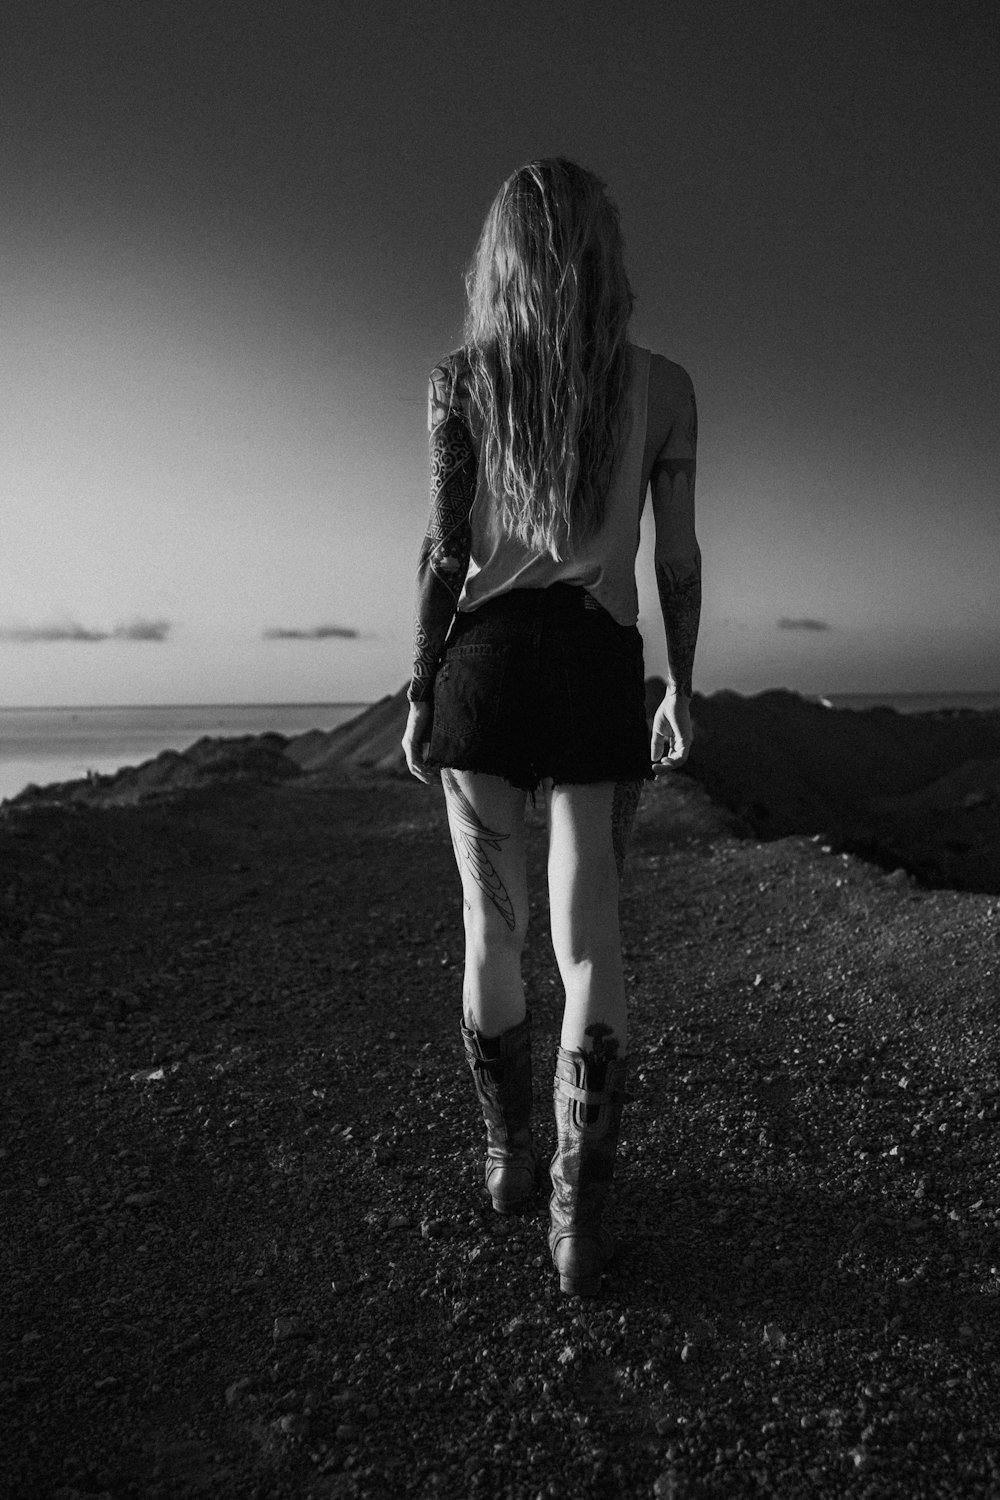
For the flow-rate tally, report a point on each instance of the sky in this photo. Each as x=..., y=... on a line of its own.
x=232, y=246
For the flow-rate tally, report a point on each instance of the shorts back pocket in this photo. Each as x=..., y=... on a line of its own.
x=467, y=693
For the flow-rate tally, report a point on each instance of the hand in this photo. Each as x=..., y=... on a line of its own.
x=415, y=740
x=672, y=733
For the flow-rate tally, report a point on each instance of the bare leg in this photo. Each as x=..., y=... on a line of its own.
x=583, y=900
x=486, y=817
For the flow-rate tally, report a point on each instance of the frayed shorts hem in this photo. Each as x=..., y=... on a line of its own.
x=525, y=782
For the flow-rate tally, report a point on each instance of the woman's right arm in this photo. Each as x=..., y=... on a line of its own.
x=677, y=560
x=444, y=555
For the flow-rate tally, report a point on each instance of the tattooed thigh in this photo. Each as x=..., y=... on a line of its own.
x=623, y=811
x=480, y=850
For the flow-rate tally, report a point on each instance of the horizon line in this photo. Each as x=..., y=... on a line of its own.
x=269, y=703
x=951, y=692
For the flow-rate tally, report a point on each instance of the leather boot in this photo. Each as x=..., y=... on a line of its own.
x=587, y=1124
x=501, y=1071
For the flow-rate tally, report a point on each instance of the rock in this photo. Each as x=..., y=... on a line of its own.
x=774, y=1336
x=294, y=1425
x=286, y=1328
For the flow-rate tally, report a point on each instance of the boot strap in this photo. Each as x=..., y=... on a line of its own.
x=591, y=1096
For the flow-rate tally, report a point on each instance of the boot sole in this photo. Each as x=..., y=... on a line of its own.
x=580, y=1286
x=510, y=1205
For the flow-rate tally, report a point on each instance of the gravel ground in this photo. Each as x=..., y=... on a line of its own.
x=247, y=1252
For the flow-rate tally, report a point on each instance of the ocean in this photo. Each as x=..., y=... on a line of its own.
x=43, y=745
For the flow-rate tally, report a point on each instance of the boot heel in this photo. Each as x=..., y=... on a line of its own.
x=509, y=1205
x=588, y=1120
x=501, y=1072
x=519, y=1183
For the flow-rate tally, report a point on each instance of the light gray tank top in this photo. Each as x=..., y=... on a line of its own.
x=603, y=564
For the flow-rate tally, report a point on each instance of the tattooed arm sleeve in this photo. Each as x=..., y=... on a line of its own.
x=677, y=555
x=444, y=555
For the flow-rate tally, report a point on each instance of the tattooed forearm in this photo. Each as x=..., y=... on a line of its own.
x=679, y=588
x=472, y=840
x=444, y=556
x=677, y=558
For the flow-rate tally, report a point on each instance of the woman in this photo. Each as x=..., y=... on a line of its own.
x=546, y=430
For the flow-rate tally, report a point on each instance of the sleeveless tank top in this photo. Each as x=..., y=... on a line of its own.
x=604, y=563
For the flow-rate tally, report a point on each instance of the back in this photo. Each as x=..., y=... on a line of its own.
x=603, y=564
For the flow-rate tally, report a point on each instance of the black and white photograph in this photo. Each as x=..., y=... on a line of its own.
x=499, y=750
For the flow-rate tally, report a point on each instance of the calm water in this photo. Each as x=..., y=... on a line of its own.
x=62, y=744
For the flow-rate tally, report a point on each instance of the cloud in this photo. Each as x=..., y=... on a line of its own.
x=803, y=624
x=67, y=632
x=142, y=630
x=311, y=633
x=72, y=630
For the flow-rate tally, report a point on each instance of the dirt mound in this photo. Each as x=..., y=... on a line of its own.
x=919, y=790
x=948, y=831
x=208, y=762
x=370, y=742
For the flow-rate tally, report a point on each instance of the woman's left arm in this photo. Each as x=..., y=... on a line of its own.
x=444, y=554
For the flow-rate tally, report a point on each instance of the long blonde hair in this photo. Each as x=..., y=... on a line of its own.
x=547, y=350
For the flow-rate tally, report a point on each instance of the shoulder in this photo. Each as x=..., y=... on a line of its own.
x=448, y=404
x=670, y=401
x=669, y=380
x=670, y=406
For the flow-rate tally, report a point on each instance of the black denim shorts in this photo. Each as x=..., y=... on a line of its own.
x=542, y=683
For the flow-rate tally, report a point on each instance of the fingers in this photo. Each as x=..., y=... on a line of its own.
x=675, y=758
x=415, y=755
x=671, y=743
x=664, y=738
x=415, y=742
